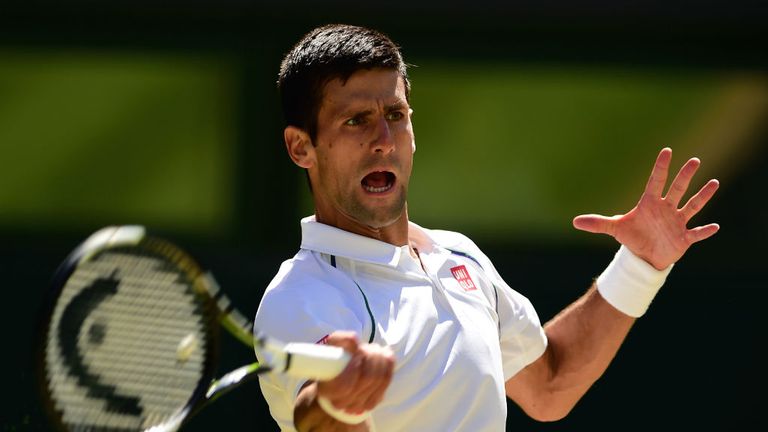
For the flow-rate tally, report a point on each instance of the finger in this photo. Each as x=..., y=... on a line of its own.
x=343, y=386
x=385, y=368
x=658, y=178
x=376, y=395
x=344, y=339
x=681, y=182
x=363, y=381
x=368, y=394
x=702, y=233
x=698, y=201
x=374, y=378
x=596, y=224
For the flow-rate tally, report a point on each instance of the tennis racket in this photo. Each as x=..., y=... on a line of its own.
x=129, y=339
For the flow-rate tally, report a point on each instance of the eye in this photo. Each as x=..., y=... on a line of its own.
x=354, y=121
x=395, y=115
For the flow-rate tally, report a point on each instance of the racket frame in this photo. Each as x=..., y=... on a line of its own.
x=304, y=360
x=112, y=238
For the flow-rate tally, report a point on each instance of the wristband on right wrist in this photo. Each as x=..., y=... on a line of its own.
x=629, y=283
x=341, y=415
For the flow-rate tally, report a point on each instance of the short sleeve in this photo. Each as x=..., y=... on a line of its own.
x=521, y=335
x=299, y=307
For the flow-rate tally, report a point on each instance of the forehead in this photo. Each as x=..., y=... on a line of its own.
x=364, y=88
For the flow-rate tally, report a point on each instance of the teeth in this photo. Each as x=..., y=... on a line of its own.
x=377, y=189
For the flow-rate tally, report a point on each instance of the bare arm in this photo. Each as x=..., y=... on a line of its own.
x=584, y=337
x=358, y=389
x=583, y=340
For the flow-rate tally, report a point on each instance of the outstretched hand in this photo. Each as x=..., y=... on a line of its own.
x=656, y=229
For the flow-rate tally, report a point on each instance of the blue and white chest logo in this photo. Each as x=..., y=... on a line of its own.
x=461, y=275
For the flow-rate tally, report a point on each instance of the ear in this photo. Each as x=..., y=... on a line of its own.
x=413, y=142
x=299, y=146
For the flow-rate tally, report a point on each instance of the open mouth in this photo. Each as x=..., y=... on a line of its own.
x=378, y=181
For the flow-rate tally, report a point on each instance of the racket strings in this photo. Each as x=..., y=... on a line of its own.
x=128, y=317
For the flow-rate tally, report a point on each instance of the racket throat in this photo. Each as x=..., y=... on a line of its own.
x=234, y=379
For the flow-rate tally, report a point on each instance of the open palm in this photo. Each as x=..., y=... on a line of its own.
x=656, y=228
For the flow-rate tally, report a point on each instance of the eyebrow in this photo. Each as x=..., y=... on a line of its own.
x=396, y=106
x=352, y=112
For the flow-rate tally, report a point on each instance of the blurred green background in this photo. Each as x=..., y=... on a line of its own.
x=524, y=117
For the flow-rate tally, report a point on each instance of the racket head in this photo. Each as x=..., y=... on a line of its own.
x=129, y=335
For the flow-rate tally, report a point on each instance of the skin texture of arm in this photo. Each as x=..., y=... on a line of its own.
x=585, y=336
x=583, y=339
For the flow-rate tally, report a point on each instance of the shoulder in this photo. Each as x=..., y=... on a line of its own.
x=455, y=242
x=443, y=238
x=308, y=299
x=450, y=239
x=460, y=244
x=301, y=278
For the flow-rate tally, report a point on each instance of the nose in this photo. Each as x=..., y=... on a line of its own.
x=383, y=141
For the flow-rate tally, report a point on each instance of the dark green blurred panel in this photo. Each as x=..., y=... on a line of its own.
x=115, y=137
x=546, y=115
x=91, y=138
x=515, y=151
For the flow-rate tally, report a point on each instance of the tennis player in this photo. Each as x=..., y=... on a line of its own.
x=438, y=339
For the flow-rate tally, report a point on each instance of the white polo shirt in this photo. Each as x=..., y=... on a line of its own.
x=457, y=330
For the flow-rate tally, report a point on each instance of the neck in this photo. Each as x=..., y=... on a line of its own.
x=395, y=233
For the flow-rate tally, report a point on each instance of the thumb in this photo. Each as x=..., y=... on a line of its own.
x=595, y=223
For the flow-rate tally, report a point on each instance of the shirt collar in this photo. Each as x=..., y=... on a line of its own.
x=319, y=237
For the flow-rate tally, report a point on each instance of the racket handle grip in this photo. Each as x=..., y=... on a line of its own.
x=313, y=361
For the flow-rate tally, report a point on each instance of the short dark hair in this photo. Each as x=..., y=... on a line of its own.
x=326, y=53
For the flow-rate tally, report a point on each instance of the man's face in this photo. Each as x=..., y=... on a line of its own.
x=363, y=148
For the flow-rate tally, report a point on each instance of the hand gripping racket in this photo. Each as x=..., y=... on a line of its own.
x=129, y=340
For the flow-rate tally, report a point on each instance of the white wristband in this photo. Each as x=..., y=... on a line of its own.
x=341, y=415
x=629, y=283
